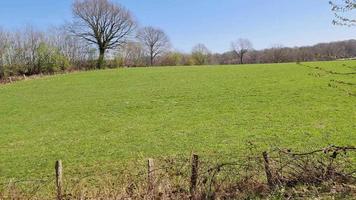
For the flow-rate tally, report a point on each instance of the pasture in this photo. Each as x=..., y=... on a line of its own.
x=103, y=119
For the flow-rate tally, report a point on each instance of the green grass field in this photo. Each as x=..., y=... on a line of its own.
x=102, y=119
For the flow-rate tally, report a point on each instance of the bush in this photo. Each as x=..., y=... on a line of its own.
x=49, y=60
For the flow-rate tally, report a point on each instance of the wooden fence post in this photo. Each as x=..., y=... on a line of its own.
x=194, y=176
x=151, y=175
x=269, y=174
x=59, y=180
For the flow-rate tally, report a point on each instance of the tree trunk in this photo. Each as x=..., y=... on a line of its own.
x=241, y=58
x=100, y=62
x=151, y=59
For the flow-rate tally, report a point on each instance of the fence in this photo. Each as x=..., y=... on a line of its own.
x=195, y=178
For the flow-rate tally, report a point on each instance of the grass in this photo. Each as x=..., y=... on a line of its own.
x=103, y=119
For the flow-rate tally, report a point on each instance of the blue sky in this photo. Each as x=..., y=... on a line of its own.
x=213, y=22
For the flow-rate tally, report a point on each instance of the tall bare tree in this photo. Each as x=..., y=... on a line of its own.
x=345, y=6
x=154, y=40
x=241, y=47
x=102, y=23
x=200, y=54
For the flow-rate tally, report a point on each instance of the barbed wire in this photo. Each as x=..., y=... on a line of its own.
x=287, y=163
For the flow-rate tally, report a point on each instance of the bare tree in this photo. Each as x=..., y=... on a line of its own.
x=277, y=53
x=200, y=54
x=154, y=40
x=102, y=23
x=241, y=47
x=131, y=55
x=76, y=50
x=346, y=6
x=3, y=48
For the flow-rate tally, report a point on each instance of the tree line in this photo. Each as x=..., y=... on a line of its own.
x=105, y=34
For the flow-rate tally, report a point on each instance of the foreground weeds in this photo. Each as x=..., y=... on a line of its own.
x=327, y=173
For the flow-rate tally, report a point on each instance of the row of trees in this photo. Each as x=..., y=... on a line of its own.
x=105, y=34
x=30, y=51
x=242, y=52
x=100, y=29
x=278, y=53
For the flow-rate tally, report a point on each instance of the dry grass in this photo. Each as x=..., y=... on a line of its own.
x=328, y=173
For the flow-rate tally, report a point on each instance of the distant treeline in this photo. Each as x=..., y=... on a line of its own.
x=278, y=54
x=104, y=34
x=30, y=51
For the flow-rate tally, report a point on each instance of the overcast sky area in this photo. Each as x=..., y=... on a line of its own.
x=214, y=23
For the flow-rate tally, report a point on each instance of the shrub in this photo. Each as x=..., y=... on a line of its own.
x=49, y=60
